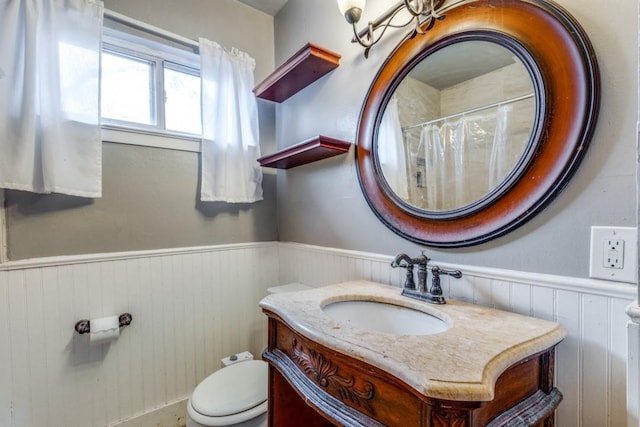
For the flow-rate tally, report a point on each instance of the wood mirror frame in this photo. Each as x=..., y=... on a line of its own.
x=567, y=85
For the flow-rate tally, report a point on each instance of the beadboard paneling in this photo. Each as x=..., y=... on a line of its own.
x=633, y=365
x=590, y=362
x=633, y=385
x=3, y=228
x=190, y=308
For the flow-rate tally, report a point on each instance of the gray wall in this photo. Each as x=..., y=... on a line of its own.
x=150, y=195
x=322, y=204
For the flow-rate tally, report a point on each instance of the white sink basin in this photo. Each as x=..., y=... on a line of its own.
x=382, y=317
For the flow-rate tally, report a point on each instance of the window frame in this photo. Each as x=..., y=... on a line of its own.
x=183, y=59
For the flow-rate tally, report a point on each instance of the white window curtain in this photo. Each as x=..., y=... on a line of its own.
x=391, y=151
x=230, y=171
x=49, y=91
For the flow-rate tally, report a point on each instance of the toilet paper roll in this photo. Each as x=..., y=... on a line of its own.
x=104, y=330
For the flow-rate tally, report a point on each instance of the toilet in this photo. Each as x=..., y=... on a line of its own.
x=235, y=395
x=232, y=396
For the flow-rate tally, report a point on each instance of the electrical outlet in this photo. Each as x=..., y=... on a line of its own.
x=614, y=254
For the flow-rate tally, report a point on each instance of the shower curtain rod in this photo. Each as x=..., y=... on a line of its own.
x=473, y=110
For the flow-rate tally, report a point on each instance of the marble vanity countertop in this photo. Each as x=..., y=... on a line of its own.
x=461, y=363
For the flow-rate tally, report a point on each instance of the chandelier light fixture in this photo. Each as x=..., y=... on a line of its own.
x=421, y=12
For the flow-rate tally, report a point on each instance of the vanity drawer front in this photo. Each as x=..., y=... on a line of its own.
x=354, y=383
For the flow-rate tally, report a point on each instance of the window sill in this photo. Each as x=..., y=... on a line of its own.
x=148, y=139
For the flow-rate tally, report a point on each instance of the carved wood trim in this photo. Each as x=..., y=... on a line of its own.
x=325, y=373
x=440, y=418
x=316, y=386
x=315, y=395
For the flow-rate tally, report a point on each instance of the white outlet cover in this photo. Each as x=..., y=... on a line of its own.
x=629, y=272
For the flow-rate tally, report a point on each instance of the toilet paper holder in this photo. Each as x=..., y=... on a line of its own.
x=84, y=326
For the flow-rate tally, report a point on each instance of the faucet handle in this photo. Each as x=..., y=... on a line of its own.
x=453, y=273
x=436, y=289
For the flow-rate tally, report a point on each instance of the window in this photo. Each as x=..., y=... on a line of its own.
x=182, y=99
x=127, y=88
x=148, y=85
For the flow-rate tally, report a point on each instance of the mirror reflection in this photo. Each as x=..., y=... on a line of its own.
x=457, y=126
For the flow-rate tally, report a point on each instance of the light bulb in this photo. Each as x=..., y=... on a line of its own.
x=351, y=9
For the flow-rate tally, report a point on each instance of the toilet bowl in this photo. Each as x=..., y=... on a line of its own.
x=232, y=396
x=235, y=395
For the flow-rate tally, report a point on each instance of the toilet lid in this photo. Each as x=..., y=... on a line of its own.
x=231, y=390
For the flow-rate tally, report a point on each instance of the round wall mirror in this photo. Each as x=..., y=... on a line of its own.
x=458, y=127
x=472, y=128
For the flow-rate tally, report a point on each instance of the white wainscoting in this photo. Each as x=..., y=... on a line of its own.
x=590, y=362
x=190, y=308
x=3, y=227
x=633, y=365
x=193, y=306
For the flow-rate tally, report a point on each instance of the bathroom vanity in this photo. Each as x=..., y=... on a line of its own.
x=475, y=366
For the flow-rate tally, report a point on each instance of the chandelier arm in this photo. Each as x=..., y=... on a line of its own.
x=417, y=28
x=370, y=32
x=433, y=12
x=441, y=12
x=450, y=6
x=379, y=23
x=408, y=4
x=389, y=24
x=385, y=17
x=423, y=13
x=358, y=37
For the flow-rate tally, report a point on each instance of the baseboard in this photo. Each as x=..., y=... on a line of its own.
x=171, y=415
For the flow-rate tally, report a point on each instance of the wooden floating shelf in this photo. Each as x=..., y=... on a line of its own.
x=303, y=68
x=311, y=150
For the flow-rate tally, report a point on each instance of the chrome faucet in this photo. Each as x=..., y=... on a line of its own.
x=433, y=295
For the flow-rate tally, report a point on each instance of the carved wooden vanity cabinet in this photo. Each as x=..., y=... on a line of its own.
x=487, y=367
x=311, y=385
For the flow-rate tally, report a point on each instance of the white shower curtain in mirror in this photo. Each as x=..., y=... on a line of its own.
x=435, y=170
x=230, y=170
x=465, y=159
x=499, y=164
x=391, y=151
x=49, y=96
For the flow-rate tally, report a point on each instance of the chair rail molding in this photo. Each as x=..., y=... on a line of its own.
x=566, y=283
x=3, y=226
x=60, y=260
